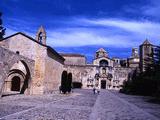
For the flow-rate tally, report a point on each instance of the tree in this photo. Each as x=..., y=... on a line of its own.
x=157, y=70
x=147, y=82
x=2, y=29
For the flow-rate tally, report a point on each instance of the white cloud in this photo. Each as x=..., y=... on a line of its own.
x=102, y=32
x=152, y=9
x=83, y=38
x=118, y=33
x=10, y=31
x=145, y=27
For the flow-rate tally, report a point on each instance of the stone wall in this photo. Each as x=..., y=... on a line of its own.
x=7, y=60
x=53, y=72
x=29, y=48
x=48, y=65
x=81, y=73
x=39, y=77
x=22, y=44
x=121, y=74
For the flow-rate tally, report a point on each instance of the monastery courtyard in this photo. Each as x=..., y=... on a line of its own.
x=79, y=105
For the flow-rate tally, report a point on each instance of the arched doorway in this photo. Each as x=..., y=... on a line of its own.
x=103, y=84
x=69, y=82
x=17, y=79
x=15, y=84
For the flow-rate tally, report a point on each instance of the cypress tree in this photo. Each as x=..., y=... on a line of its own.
x=2, y=29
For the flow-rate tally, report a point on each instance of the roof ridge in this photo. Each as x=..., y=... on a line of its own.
x=50, y=48
x=72, y=54
x=101, y=49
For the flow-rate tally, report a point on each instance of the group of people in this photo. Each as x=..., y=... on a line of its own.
x=96, y=90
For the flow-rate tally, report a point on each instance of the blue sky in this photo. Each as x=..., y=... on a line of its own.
x=83, y=26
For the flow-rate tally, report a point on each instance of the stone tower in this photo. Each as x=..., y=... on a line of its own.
x=146, y=54
x=41, y=35
x=135, y=52
x=133, y=61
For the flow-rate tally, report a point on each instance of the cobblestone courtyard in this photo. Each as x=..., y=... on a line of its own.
x=80, y=105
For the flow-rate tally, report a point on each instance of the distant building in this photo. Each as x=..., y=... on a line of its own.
x=133, y=61
x=29, y=66
x=146, y=55
x=104, y=72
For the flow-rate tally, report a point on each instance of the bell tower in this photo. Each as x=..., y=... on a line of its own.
x=146, y=54
x=41, y=35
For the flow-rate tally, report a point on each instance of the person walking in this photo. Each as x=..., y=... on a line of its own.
x=94, y=90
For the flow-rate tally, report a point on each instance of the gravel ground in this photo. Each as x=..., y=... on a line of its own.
x=142, y=102
x=80, y=105
x=111, y=107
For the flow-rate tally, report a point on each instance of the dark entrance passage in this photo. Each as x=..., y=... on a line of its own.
x=15, y=84
x=103, y=84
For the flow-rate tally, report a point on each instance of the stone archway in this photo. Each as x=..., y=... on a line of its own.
x=103, y=84
x=15, y=83
x=18, y=78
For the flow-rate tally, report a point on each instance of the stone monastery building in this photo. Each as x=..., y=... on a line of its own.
x=29, y=66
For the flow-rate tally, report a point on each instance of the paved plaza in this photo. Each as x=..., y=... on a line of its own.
x=79, y=105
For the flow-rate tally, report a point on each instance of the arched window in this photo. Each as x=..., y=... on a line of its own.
x=103, y=63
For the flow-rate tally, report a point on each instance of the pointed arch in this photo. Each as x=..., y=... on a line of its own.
x=18, y=78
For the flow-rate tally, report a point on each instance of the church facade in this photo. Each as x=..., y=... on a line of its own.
x=105, y=72
x=37, y=73
x=29, y=66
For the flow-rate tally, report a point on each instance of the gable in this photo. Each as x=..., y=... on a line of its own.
x=25, y=42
